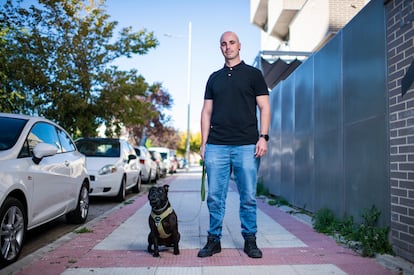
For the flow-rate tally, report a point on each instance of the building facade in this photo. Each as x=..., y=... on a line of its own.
x=400, y=55
x=343, y=122
x=301, y=25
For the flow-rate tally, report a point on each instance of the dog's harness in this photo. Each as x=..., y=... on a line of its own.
x=158, y=221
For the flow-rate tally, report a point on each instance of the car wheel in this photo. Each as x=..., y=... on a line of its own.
x=122, y=190
x=137, y=186
x=80, y=214
x=13, y=228
x=157, y=175
x=148, y=180
x=155, y=178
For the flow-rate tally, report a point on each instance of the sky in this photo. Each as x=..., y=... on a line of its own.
x=168, y=63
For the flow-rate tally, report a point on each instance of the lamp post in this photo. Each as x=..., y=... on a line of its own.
x=187, y=143
x=187, y=147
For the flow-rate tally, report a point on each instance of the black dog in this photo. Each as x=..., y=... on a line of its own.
x=162, y=221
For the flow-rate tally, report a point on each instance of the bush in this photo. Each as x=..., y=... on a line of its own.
x=366, y=238
x=324, y=221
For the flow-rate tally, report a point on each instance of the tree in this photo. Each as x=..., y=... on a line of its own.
x=163, y=136
x=195, y=143
x=155, y=128
x=57, y=63
x=123, y=100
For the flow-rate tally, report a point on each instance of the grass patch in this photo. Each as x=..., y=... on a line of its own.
x=365, y=238
x=129, y=202
x=83, y=230
x=278, y=201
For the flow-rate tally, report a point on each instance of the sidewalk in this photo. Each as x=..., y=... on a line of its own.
x=117, y=243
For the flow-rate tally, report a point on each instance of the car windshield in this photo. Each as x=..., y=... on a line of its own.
x=163, y=155
x=10, y=130
x=99, y=148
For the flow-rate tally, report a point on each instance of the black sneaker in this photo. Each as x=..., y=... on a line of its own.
x=250, y=247
x=213, y=246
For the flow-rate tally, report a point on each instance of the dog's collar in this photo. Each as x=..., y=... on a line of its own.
x=161, y=210
x=158, y=221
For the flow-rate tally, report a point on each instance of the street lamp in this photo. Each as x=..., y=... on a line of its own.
x=187, y=148
x=187, y=143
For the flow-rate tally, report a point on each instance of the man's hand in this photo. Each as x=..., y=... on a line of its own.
x=202, y=149
x=261, y=148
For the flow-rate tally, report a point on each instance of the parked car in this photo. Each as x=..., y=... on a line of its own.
x=149, y=171
x=113, y=166
x=161, y=166
x=43, y=177
x=168, y=156
x=181, y=163
x=173, y=165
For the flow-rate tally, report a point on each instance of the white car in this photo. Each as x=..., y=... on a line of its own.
x=112, y=165
x=168, y=157
x=42, y=177
x=161, y=165
x=149, y=170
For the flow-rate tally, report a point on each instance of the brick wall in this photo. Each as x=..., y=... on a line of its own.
x=400, y=54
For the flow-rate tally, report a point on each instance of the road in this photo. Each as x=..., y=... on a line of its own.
x=48, y=233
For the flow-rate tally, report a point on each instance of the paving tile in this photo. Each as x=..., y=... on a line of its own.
x=118, y=243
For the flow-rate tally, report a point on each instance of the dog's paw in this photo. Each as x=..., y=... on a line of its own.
x=156, y=255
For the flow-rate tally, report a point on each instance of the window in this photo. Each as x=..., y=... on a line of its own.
x=10, y=130
x=43, y=132
x=65, y=141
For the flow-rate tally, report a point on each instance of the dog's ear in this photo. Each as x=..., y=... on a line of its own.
x=166, y=186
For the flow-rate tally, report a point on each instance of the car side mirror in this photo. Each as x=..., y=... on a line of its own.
x=131, y=157
x=42, y=150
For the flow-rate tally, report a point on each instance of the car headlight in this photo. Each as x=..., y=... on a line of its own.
x=107, y=169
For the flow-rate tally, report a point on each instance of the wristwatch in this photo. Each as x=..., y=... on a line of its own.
x=266, y=137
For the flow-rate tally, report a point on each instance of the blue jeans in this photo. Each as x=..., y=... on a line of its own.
x=220, y=161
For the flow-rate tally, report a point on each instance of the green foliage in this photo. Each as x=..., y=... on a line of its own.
x=56, y=60
x=372, y=239
x=195, y=143
x=278, y=201
x=129, y=202
x=365, y=237
x=324, y=221
x=9, y=100
x=83, y=230
x=261, y=189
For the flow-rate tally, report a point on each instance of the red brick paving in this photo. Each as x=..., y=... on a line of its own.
x=80, y=253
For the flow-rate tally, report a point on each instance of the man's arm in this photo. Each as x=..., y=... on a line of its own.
x=205, y=124
x=264, y=108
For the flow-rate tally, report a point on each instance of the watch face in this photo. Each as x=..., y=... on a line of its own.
x=266, y=137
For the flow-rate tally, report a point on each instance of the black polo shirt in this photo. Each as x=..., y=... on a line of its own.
x=234, y=91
